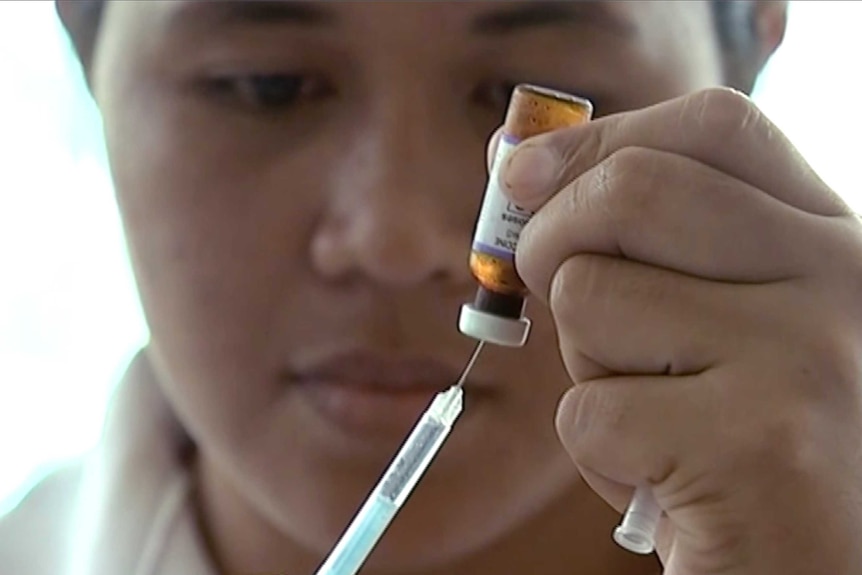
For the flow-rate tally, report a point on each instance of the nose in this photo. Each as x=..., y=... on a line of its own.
x=392, y=217
x=390, y=244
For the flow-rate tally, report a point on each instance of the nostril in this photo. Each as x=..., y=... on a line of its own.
x=400, y=258
x=385, y=252
x=330, y=257
x=396, y=248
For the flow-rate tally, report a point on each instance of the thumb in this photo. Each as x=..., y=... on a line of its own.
x=493, y=143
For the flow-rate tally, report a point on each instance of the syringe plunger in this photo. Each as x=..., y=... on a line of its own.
x=636, y=532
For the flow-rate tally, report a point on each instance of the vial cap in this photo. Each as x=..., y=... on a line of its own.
x=493, y=328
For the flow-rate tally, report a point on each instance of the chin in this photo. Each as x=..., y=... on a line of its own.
x=444, y=522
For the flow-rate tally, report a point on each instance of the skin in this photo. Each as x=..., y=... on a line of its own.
x=679, y=249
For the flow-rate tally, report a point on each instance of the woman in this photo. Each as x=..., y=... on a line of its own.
x=298, y=184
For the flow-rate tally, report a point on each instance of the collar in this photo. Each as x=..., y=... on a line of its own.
x=133, y=511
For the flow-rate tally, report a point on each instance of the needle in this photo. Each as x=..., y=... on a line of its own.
x=470, y=363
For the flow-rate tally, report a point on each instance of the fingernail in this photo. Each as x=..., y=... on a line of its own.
x=529, y=173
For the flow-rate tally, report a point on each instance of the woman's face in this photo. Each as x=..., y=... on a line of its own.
x=299, y=184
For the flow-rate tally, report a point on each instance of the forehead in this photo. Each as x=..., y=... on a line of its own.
x=624, y=19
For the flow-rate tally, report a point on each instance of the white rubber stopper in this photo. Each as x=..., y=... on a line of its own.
x=636, y=532
x=492, y=328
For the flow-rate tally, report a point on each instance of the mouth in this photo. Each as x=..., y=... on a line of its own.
x=370, y=394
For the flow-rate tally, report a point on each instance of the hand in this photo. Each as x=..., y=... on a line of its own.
x=707, y=291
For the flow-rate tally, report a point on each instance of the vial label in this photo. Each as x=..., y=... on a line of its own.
x=500, y=222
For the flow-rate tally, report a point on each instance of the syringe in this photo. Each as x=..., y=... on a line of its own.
x=414, y=457
x=636, y=532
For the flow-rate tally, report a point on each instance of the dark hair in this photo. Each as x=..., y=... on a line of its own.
x=738, y=41
x=81, y=19
x=737, y=36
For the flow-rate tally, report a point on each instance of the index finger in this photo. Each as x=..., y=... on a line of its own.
x=719, y=127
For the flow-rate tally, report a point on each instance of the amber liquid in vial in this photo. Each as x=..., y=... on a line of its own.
x=532, y=111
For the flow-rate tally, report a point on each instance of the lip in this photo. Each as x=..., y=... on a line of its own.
x=372, y=394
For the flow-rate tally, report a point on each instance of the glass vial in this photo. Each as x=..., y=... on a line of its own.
x=497, y=312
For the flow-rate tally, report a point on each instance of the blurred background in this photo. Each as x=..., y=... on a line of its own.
x=69, y=317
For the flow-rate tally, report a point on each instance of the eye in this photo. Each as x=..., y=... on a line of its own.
x=494, y=95
x=269, y=92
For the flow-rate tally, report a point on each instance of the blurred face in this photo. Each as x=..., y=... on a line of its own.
x=299, y=184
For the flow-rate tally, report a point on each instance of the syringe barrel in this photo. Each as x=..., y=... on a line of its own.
x=396, y=484
x=361, y=536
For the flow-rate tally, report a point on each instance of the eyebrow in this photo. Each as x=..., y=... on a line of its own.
x=518, y=16
x=205, y=15
x=529, y=14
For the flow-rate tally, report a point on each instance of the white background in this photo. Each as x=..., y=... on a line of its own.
x=69, y=319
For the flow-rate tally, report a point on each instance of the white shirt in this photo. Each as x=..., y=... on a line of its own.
x=125, y=509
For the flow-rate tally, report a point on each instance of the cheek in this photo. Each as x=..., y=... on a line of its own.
x=217, y=236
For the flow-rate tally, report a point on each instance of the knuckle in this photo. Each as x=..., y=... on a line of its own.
x=584, y=418
x=576, y=198
x=788, y=442
x=591, y=144
x=849, y=270
x=855, y=285
x=818, y=395
x=575, y=286
x=528, y=255
x=831, y=365
x=721, y=113
x=566, y=419
x=627, y=181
